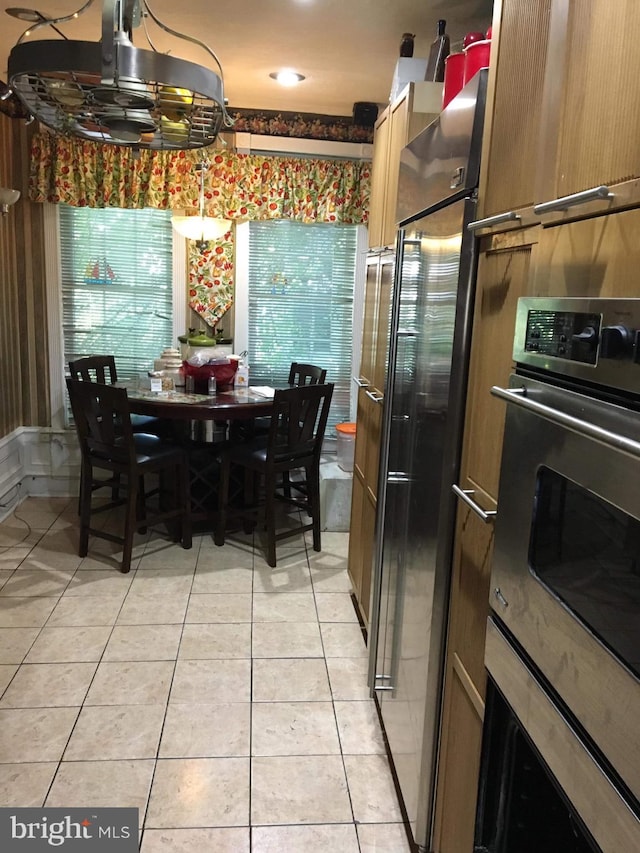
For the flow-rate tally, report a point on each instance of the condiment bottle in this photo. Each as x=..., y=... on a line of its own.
x=211, y=386
x=406, y=44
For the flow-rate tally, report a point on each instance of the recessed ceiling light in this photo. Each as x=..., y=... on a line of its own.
x=287, y=77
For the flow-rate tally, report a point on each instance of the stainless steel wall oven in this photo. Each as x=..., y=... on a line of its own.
x=563, y=645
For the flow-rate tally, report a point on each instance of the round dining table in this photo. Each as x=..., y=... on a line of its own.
x=232, y=405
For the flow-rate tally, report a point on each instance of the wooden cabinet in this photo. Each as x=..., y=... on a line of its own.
x=463, y=710
x=591, y=123
x=565, y=118
x=519, y=53
x=416, y=106
x=363, y=521
x=503, y=276
x=371, y=379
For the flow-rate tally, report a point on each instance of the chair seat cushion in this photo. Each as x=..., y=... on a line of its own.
x=151, y=447
x=140, y=423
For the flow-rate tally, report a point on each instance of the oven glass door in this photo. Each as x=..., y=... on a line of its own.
x=586, y=551
x=565, y=578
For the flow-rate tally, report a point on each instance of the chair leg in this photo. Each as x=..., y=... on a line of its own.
x=270, y=518
x=223, y=498
x=141, y=511
x=249, y=497
x=286, y=485
x=80, y=488
x=313, y=502
x=86, y=474
x=115, y=489
x=183, y=499
x=130, y=525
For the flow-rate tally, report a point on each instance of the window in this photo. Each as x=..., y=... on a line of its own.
x=301, y=281
x=117, y=291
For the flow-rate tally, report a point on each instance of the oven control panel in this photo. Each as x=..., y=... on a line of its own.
x=563, y=334
x=597, y=340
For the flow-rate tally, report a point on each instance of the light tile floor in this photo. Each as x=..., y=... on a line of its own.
x=224, y=699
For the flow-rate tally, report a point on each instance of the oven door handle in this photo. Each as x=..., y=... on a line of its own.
x=518, y=397
x=486, y=515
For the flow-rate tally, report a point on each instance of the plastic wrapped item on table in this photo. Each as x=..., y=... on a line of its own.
x=224, y=371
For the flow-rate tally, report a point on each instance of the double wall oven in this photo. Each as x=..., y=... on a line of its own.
x=562, y=732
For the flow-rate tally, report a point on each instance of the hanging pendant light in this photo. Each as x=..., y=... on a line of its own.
x=112, y=92
x=201, y=228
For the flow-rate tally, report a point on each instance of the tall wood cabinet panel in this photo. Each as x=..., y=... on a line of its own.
x=503, y=275
x=371, y=378
x=521, y=49
x=503, y=272
x=416, y=106
x=593, y=121
x=378, y=179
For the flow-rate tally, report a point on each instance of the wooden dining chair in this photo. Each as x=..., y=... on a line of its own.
x=306, y=374
x=299, y=374
x=108, y=444
x=102, y=368
x=294, y=442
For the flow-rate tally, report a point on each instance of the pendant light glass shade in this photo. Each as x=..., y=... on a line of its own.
x=201, y=228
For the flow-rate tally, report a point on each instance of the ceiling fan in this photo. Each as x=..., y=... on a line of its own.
x=112, y=92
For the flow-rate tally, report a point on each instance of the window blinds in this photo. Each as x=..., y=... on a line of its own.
x=117, y=298
x=301, y=285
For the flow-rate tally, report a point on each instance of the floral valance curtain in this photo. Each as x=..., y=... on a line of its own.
x=237, y=187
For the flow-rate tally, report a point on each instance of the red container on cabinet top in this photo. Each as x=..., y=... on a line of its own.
x=453, y=76
x=476, y=57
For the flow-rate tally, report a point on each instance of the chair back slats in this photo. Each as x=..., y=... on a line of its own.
x=94, y=368
x=306, y=374
x=298, y=422
x=103, y=422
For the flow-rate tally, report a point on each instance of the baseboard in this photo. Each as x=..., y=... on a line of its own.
x=37, y=461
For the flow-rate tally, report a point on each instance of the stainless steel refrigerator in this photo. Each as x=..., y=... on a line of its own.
x=430, y=335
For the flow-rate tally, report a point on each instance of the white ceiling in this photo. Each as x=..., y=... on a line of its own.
x=347, y=49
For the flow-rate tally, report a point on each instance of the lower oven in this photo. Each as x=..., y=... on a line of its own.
x=563, y=647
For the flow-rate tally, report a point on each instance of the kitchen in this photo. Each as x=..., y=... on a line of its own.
x=553, y=129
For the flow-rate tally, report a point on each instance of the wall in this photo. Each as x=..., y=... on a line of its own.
x=24, y=387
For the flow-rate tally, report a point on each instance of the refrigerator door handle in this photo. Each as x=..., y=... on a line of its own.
x=465, y=495
x=406, y=333
x=457, y=178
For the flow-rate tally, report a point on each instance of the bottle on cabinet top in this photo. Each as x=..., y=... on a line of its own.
x=437, y=54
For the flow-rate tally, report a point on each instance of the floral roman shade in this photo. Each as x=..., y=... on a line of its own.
x=237, y=187
x=211, y=278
